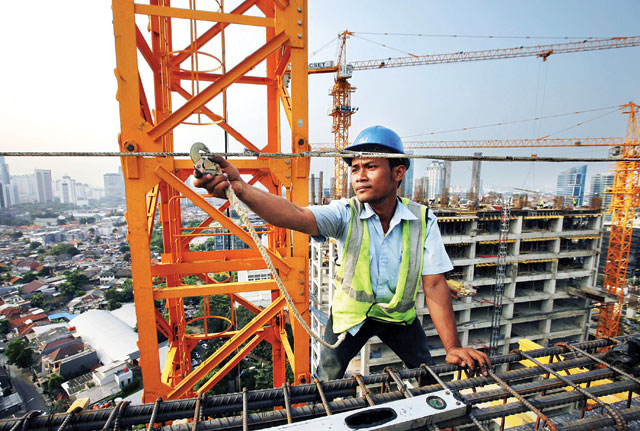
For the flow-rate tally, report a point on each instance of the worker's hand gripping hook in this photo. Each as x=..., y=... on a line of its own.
x=201, y=163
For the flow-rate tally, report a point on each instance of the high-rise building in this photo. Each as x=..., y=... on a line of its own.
x=435, y=176
x=114, y=186
x=66, y=190
x=601, y=185
x=315, y=189
x=407, y=182
x=4, y=172
x=44, y=185
x=474, y=191
x=571, y=185
x=25, y=190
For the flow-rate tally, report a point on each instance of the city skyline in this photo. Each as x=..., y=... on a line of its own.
x=449, y=101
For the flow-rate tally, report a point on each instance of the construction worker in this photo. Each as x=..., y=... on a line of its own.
x=388, y=246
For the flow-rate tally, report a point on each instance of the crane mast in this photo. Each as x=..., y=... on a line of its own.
x=180, y=93
x=341, y=114
x=624, y=201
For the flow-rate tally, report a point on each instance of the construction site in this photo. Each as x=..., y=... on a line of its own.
x=524, y=285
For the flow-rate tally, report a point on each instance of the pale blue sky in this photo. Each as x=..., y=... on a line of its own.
x=59, y=92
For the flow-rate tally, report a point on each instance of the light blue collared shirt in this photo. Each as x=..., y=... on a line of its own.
x=385, y=251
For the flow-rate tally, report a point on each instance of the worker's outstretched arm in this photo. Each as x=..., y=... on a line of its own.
x=273, y=209
x=438, y=300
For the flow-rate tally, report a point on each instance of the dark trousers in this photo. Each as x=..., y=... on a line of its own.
x=409, y=342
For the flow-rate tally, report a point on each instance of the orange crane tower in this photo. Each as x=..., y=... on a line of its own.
x=163, y=88
x=341, y=113
x=624, y=201
x=343, y=92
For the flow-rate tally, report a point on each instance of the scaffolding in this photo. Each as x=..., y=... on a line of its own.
x=498, y=290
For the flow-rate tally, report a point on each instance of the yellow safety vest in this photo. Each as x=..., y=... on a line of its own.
x=353, y=299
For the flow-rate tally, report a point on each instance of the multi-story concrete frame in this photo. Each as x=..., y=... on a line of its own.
x=551, y=255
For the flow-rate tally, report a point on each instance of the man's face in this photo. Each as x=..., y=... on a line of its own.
x=373, y=180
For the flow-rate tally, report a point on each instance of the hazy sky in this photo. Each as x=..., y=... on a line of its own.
x=58, y=90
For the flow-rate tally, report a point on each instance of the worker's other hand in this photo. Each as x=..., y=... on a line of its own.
x=217, y=185
x=467, y=357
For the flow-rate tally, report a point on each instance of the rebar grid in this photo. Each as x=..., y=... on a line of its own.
x=258, y=409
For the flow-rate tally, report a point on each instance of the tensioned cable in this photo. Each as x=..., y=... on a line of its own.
x=324, y=46
x=518, y=121
x=479, y=36
x=385, y=46
x=580, y=124
x=326, y=153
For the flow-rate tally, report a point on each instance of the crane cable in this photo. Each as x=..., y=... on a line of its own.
x=206, y=165
x=325, y=153
x=244, y=216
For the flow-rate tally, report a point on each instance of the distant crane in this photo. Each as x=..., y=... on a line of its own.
x=625, y=198
x=342, y=90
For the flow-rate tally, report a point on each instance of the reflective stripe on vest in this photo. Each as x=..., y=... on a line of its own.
x=353, y=299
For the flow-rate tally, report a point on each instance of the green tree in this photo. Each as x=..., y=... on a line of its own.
x=77, y=278
x=124, y=248
x=4, y=326
x=28, y=277
x=113, y=305
x=64, y=248
x=34, y=245
x=45, y=271
x=15, y=234
x=54, y=384
x=157, y=243
x=38, y=299
x=19, y=353
x=69, y=290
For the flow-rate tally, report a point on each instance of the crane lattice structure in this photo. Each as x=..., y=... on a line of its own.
x=167, y=92
x=343, y=92
x=498, y=289
x=625, y=198
x=341, y=113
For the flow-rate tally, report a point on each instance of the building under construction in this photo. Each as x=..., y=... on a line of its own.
x=551, y=265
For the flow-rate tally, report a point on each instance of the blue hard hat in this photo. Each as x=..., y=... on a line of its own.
x=377, y=136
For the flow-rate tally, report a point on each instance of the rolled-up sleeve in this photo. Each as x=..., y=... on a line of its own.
x=331, y=219
x=435, y=258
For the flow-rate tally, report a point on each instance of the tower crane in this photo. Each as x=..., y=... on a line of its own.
x=342, y=93
x=625, y=198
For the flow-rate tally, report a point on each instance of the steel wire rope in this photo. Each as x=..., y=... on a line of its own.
x=502, y=123
x=385, y=46
x=244, y=216
x=479, y=36
x=579, y=124
x=324, y=46
x=324, y=153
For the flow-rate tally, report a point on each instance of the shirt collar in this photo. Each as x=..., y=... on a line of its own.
x=401, y=212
